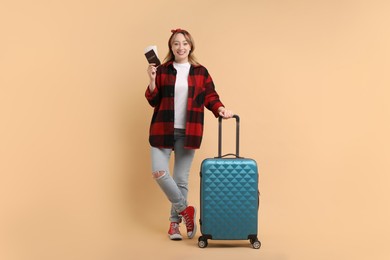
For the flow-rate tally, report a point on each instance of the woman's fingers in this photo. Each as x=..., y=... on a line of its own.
x=152, y=69
x=226, y=114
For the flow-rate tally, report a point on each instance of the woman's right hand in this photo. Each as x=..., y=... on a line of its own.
x=152, y=69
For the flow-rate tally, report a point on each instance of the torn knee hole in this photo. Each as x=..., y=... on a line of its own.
x=158, y=174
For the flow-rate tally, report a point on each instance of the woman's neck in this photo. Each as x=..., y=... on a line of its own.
x=181, y=61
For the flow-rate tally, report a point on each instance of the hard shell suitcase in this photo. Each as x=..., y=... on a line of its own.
x=229, y=196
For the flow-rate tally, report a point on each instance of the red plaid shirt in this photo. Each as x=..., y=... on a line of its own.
x=201, y=94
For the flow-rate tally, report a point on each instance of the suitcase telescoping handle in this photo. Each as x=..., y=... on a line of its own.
x=237, y=154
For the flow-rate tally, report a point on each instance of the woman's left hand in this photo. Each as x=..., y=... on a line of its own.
x=225, y=113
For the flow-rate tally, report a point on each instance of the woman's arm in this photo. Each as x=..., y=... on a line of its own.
x=212, y=101
x=151, y=92
x=152, y=69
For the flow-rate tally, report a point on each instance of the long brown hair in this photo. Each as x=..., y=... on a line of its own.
x=171, y=57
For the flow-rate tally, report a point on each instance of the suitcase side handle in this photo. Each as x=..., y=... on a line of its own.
x=237, y=154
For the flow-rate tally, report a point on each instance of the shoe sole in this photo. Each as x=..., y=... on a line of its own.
x=175, y=237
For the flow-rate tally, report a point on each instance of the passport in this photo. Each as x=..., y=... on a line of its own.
x=151, y=55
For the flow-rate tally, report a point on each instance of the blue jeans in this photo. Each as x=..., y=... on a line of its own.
x=175, y=187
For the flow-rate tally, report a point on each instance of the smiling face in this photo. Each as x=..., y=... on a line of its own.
x=180, y=48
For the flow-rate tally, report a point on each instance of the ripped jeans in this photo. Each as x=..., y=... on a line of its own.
x=175, y=187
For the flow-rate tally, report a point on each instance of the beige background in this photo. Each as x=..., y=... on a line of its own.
x=310, y=80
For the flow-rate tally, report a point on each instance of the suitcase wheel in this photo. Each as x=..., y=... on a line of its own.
x=202, y=242
x=256, y=244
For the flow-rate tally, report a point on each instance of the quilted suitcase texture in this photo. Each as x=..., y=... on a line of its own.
x=229, y=198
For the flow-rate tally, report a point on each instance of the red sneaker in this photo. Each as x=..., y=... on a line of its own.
x=174, y=232
x=189, y=219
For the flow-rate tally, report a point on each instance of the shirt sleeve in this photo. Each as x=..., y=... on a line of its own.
x=212, y=101
x=153, y=97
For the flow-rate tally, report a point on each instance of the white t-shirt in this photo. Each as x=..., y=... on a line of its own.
x=181, y=93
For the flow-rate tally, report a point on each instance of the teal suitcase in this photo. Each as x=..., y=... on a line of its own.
x=229, y=197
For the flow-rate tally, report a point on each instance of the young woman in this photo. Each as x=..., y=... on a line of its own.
x=179, y=90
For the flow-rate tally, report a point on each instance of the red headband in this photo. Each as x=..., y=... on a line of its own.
x=178, y=30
